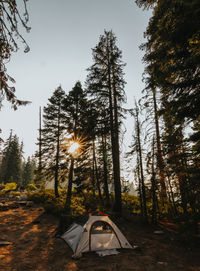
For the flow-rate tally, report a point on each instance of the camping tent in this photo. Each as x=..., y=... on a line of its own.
x=94, y=233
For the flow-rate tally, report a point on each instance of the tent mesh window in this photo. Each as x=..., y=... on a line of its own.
x=101, y=227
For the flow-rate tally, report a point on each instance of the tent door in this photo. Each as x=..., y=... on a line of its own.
x=102, y=236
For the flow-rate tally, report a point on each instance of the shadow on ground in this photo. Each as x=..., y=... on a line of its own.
x=34, y=247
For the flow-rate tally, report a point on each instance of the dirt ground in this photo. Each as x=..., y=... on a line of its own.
x=33, y=246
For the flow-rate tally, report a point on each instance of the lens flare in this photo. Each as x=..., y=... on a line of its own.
x=74, y=147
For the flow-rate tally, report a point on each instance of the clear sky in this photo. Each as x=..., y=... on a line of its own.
x=62, y=35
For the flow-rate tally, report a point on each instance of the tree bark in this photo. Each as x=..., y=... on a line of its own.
x=153, y=185
x=105, y=172
x=160, y=161
x=96, y=172
x=67, y=206
x=118, y=203
x=57, y=154
x=141, y=166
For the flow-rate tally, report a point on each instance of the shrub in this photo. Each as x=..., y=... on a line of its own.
x=10, y=186
x=80, y=203
x=131, y=203
x=31, y=187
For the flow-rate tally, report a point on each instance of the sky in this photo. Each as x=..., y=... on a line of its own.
x=63, y=32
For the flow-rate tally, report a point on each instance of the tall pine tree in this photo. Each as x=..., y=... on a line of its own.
x=105, y=81
x=52, y=136
x=11, y=165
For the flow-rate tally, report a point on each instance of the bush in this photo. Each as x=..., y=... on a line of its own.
x=131, y=203
x=10, y=186
x=31, y=187
x=80, y=203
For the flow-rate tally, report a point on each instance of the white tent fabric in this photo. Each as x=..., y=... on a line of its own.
x=99, y=233
x=72, y=235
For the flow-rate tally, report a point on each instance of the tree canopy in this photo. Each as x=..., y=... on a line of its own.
x=10, y=19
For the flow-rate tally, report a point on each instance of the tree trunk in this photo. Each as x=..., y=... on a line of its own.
x=140, y=187
x=97, y=174
x=118, y=203
x=105, y=173
x=57, y=154
x=141, y=166
x=153, y=185
x=67, y=206
x=160, y=161
x=40, y=148
x=172, y=195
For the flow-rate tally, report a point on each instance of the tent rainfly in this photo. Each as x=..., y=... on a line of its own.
x=94, y=233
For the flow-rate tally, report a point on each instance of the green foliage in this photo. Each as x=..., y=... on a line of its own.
x=172, y=55
x=80, y=204
x=77, y=206
x=131, y=203
x=11, y=21
x=106, y=83
x=53, y=132
x=29, y=167
x=13, y=168
x=11, y=165
x=31, y=187
x=10, y=186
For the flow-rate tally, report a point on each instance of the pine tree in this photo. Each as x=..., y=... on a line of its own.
x=172, y=66
x=75, y=106
x=150, y=103
x=52, y=137
x=28, y=172
x=137, y=149
x=11, y=165
x=151, y=170
x=105, y=81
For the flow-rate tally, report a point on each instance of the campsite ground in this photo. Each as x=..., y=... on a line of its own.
x=32, y=245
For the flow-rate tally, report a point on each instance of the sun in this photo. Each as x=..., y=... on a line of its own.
x=74, y=147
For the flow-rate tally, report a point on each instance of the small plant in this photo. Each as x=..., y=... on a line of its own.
x=10, y=187
x=31, y=187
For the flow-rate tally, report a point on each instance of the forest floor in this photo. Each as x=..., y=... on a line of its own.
x=32, y=245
